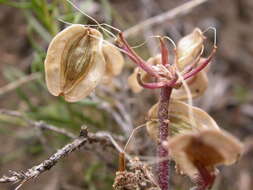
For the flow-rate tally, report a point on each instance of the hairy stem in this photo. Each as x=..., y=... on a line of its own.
x=163, y=166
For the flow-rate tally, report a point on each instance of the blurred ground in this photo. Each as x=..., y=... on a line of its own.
x=229, y=97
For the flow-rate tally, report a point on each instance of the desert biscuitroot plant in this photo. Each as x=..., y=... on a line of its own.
x=78, y=59
x=197, y=144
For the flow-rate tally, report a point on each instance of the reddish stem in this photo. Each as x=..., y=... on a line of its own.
x=163, y=166
x=151, y=85
x=205, y=179
x=163, y=117
x=166, y=89
x=200, y=67
x=138, y=60
x=165, y=53
x=122, y=162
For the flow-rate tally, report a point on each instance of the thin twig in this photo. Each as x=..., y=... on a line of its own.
x=122, y=119
x=148, y=7
x=85, y=137
x=45, y=126
x=45, y=165
x=121, y=106
x=38, y=124
x=178, y=11
x=13, y=85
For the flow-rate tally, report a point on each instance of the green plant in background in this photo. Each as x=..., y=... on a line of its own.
x=43, y=22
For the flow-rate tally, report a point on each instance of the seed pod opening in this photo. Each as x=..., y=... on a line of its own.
x=207, y=148
x=183, y=118
x=189, y=48
x=74, y=64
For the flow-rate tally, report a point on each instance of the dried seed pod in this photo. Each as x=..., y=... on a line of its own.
x=189, y=48
x=183, y=118
x=132, y=79
x=133, y=83
x=197, y=85
x=114, y=62
x=74, y=64
x=207, y=148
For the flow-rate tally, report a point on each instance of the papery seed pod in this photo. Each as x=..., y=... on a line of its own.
x=197, y=86
x=114, y=62
x=207, y=148
x=132, y=79
x=183, y=118
x=133, y=82
x=74, y=64
x=189, y=49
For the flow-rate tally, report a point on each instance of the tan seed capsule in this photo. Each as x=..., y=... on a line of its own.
x=114, y=62
x=74, y=63
x=189, y=48
x=197, y=86
x=183, y=118
x=133, y=82
x=207, y=148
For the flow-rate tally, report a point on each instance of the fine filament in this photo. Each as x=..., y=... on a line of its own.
x=189, y=97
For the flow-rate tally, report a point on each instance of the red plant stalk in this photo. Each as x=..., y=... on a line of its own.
x=163, y=166
x=166, y=84
x=205, y=179
x=163, y=117
x=122, y=43
x=166, y=89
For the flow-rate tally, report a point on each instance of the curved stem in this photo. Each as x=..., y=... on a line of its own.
x=201, y=66
x=136, y=59
x=165, y=53
x=152, y=85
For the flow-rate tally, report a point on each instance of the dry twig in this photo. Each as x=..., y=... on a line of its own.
x=149, y=7
x=38, y=124
x=13, y=85
x=178, y=11
x=45, y=126
x=84, y=137
x=121, y=116
x=103, y=138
